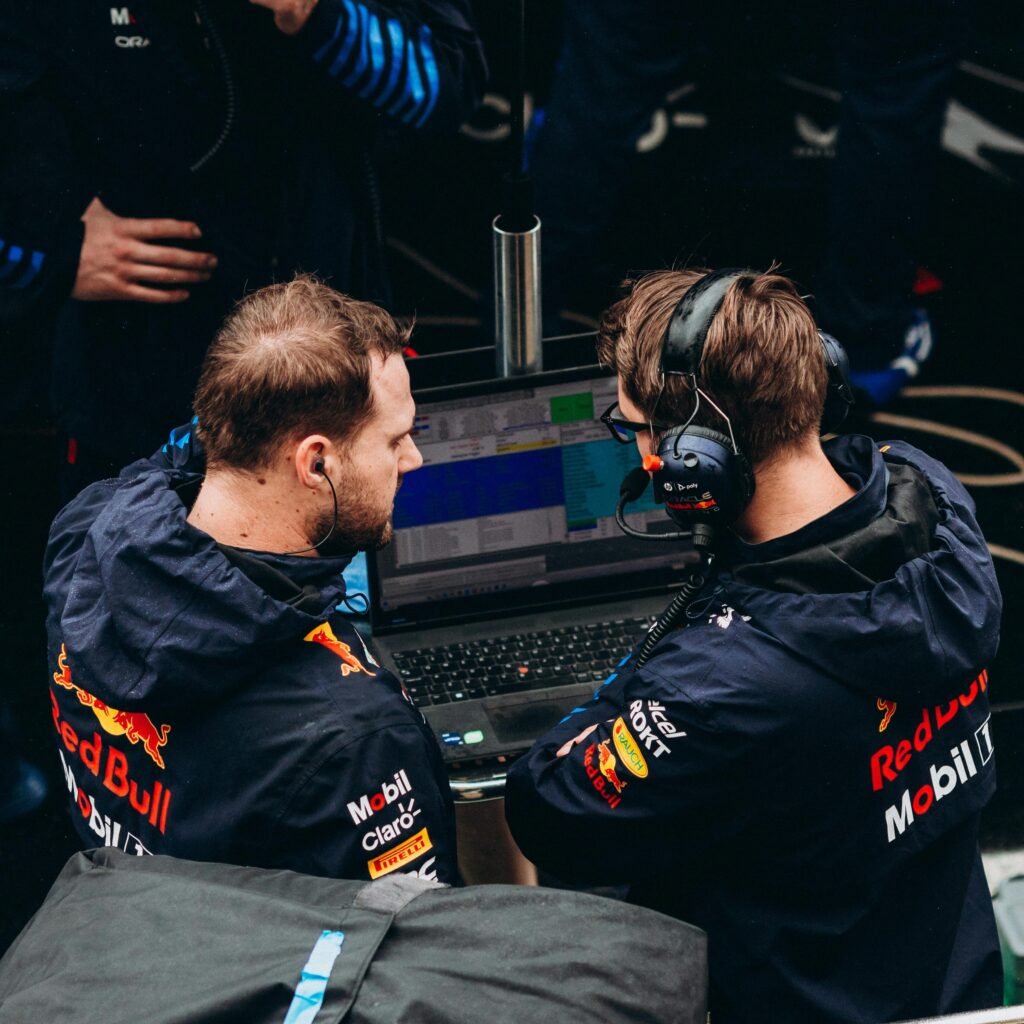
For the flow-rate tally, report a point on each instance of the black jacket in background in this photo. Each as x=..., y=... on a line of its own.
x=203, y=111
x=212, y=704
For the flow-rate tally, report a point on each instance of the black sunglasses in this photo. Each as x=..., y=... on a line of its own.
x=623, y=430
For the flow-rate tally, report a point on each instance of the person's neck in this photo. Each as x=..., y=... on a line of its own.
x=250, y=510
x=791, y=492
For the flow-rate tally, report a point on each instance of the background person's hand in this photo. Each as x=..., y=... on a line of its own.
x=289, y=15
x=120, y=262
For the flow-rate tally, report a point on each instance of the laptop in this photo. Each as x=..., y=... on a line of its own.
x=509, y=594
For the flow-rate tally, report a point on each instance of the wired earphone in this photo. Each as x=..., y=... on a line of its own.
x=318, y=468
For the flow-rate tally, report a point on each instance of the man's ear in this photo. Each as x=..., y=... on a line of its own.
x=313, y=458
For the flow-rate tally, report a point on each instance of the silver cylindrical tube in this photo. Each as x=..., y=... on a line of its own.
x=517, y=308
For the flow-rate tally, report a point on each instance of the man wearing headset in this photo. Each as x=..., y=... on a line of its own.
x=208, y=700
x=797, y=761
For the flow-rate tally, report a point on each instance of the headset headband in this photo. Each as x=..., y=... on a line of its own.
x=688, y=326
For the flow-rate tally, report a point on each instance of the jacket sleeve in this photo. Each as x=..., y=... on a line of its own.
x=421, y=65
x=638, y=781
x=374, y=807
x=40, y=226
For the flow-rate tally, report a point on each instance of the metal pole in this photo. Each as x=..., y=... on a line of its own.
x=517, y=308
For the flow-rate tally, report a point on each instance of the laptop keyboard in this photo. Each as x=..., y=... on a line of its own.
x=585, y=653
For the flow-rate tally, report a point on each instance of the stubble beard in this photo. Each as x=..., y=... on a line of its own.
x=359, y=527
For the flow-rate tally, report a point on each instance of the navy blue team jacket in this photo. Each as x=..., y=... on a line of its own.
x=212, y=704
x=800, y=771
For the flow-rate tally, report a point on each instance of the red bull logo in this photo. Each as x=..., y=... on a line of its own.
x=323, y=634
x=606, y=764
x=110, y=767
x=891, y=759
x=605, y=787
x=888, y=709
x=135, y=726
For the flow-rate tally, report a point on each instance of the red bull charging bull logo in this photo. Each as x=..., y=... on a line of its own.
x=607, y=787
x=606, y=764
x=135, y=726
x=323, y=634
x=888, y=709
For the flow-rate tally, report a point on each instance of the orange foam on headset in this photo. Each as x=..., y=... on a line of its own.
x=652, y=463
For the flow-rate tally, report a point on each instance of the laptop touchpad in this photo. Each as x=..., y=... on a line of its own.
x=523, y=723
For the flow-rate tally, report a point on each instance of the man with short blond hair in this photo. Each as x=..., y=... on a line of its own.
x=797, y=762
x=208, y=699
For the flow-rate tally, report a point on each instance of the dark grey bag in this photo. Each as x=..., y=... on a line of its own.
x=124, y=939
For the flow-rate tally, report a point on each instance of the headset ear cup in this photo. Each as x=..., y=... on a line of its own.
x=839, y=395
x=702, y=479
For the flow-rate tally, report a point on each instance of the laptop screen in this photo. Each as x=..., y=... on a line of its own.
x=514, y=507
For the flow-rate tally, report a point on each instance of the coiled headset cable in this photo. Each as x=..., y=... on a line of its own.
x=229, y=86
x=675, y=611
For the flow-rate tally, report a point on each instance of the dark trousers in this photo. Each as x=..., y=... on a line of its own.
x=895, y=64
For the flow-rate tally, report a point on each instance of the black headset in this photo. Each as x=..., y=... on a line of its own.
x=700, y=474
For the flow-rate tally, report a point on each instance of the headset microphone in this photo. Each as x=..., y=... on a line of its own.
x=634, y=483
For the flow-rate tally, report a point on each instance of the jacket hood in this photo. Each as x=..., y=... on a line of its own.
x=154, y=611
x=893, y=592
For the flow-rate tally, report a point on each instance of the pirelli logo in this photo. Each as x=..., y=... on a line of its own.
x=398, y=856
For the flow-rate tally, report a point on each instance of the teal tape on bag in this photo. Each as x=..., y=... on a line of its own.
x=309, y=993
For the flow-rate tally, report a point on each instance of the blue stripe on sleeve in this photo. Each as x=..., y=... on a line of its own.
x=353, y=76
x=397, y=47
x=376, y=56
x=309, y=993
x=430, y=66
x=350, y=37
x=413, y=86
x=34, y=266
x=323, y=51
x=14, y=255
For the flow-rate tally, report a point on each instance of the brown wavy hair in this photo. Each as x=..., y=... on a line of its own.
x=290, y=360
x=762, y=362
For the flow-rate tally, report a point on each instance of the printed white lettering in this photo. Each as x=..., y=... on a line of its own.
x=108, y=830
x=426, y=871
x=944, y=779
x=898, y=820
x=983, y=738
x=407, y=814
x=368, y=804
x=643, y=730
